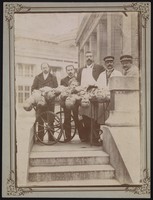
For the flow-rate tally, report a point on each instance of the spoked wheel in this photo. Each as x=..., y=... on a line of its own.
x=48, y=128
x=72, y=127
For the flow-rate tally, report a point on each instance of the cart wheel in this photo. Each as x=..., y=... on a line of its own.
x=48, y=128
x=73, y=128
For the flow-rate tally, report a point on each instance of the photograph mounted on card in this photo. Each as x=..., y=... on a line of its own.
x=76, y=82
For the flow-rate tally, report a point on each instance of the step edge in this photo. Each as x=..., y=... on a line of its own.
x=34, y=154
x=53, y=157
x=91, y=182
x=76, y=168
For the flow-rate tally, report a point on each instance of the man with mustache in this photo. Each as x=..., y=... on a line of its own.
x=69, y=79
x=128, y=68
x=103, y=82
x=104, y=77
x=88, y=76
x=41, y=80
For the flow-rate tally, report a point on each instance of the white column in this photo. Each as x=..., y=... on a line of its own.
x=93, y=45
x=85, y=48
x=108, y=33
x=127, y=34
x=99, y=43
x=104, y=38
x=134, y=38
x=81, y=58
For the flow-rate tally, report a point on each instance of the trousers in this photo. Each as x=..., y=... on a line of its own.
x=87, y=128
x=67, y=122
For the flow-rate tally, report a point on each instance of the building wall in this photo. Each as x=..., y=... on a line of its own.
x=108, y=34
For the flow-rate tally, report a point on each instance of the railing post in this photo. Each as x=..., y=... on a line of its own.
x=125, y=102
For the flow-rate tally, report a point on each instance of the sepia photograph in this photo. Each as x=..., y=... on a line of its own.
x=76, y=100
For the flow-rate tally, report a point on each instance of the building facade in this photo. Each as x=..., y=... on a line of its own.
x=30, y=53
x=108, y=33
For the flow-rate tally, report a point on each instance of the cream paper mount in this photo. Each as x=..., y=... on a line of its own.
x=10, y=186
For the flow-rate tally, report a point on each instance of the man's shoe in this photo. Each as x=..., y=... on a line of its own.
x=97, y=143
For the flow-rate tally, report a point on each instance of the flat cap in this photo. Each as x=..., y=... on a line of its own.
x=126, y=57
x=108, y=58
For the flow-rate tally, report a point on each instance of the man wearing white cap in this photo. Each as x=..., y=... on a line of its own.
x=103, y=82
x=128, y=68
x=103, y=79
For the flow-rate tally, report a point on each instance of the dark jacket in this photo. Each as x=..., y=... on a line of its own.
x=65, y=81
x=96, y=71
x=39, y=82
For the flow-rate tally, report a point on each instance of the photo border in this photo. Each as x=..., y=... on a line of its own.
x=9, y=178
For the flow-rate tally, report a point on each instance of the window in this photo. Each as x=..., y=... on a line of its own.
x=32, y=70
x=20, y=94
x=20, y=88
x=27, y=92
x=27, y=88
x=20, y=97
x=23, y=93
x=26, y=70
x=27, y=95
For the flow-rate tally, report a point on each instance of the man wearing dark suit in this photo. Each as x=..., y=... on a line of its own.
x=67, y=112
x=86, y=76
x=41, y=80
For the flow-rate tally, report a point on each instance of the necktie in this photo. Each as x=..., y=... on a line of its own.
x=108, y=74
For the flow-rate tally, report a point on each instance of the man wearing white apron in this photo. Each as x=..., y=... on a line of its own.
x=88, y=75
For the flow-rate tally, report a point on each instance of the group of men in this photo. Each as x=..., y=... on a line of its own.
x=90, y=74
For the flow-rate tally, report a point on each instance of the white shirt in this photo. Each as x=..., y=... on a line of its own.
x=102, y=80
x=45, y=75
x=86, y=77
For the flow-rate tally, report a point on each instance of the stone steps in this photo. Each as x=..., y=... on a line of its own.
x=70, y=164
x=68, y=158
x=59, y=173
x=91, y=182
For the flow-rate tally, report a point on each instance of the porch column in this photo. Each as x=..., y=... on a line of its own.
x=99, y=43
x=109, y=34
x=104, y=38
x=85, y=48
x=93, y=45
x=127, y=34
x=81, y=57
x=134, y=38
